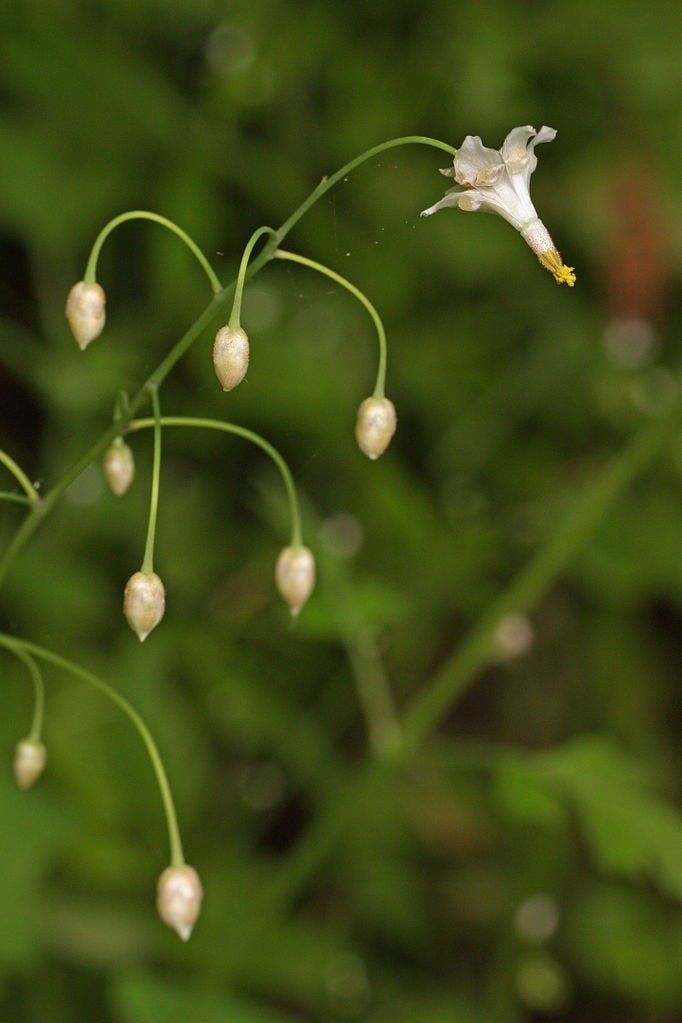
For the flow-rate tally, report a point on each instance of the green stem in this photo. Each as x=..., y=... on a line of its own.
x=460, y=671
x=380, y=385
x=208, y=317
x=374, y=691
x=235, y=315
x=20, y=476
x=239, y=431
x=39, y=691
x=177, y=858
x=91, y=270
x=8, y=495
x=148, y=562
x=121, y=404
x=327, y=183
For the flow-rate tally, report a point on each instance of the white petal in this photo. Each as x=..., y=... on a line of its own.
x=449, y=199
x=544, y=135
x=448, y=172
x=473, y=158
x=489, y=201
x=516, y=142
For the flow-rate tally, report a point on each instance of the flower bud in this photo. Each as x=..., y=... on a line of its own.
x=231, y=356
x=85, y=312
x=178, y=899
x=295, y=576
x=119, y=467
x=30, y=758
x=375, y=426
x=144, y=603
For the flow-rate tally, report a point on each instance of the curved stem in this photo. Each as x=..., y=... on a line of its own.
x=327, y=183
x=39, y=690
x=8, y=495
x=209, y=317
x=255, y=438
x=177, y=858
x=235, y=315
x=292, y=257
x=91, y=269
x=20, y=476
x=148, y=562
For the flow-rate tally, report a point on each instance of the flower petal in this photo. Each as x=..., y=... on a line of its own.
x=544, y=135
x=487, y=201
x=516, y=142
x=473, y=158
x=449, y=199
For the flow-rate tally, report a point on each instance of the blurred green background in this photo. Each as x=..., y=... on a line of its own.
x=526, y=862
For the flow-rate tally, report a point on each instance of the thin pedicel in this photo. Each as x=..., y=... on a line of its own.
x=179, y=888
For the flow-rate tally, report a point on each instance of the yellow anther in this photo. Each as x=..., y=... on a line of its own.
x=551, y=260
x=565, y=276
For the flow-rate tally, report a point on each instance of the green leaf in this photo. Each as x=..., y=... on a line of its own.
x=631, y=831
x=139, y=997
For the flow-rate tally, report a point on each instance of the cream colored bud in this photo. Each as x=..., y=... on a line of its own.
x=295, y=576
x=231, y=356
x=375, y=426
x=178, y=899
x=119, y=467
x=30, y=758
x=85, y=312
x=144, y=603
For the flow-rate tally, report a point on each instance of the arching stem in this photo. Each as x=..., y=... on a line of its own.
x=235, y=315
x=91, y=269
x=20, y=476
x=292, y=257
x=148, y=562
x=208, y=317
x=177, y=858
x=8, y=495
x=36, y=731
x=329, y=182
x=254, y=438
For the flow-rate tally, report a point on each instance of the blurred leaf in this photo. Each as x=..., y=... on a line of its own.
x=144, y=998
x=625, y=943
x=632, y=833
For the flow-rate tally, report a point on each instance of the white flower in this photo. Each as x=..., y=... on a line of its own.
x=498, y=181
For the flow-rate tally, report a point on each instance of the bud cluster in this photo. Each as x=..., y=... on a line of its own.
x=179, y=889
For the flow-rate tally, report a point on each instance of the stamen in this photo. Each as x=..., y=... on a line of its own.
x=552, y=261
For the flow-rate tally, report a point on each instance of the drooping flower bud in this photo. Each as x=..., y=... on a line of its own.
x=119, y=467
x=85, y=312
x=29, y=762
x=375, y=426
x=295, y=576
x=178, y=899
x=231, y=356
x=144, y=603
